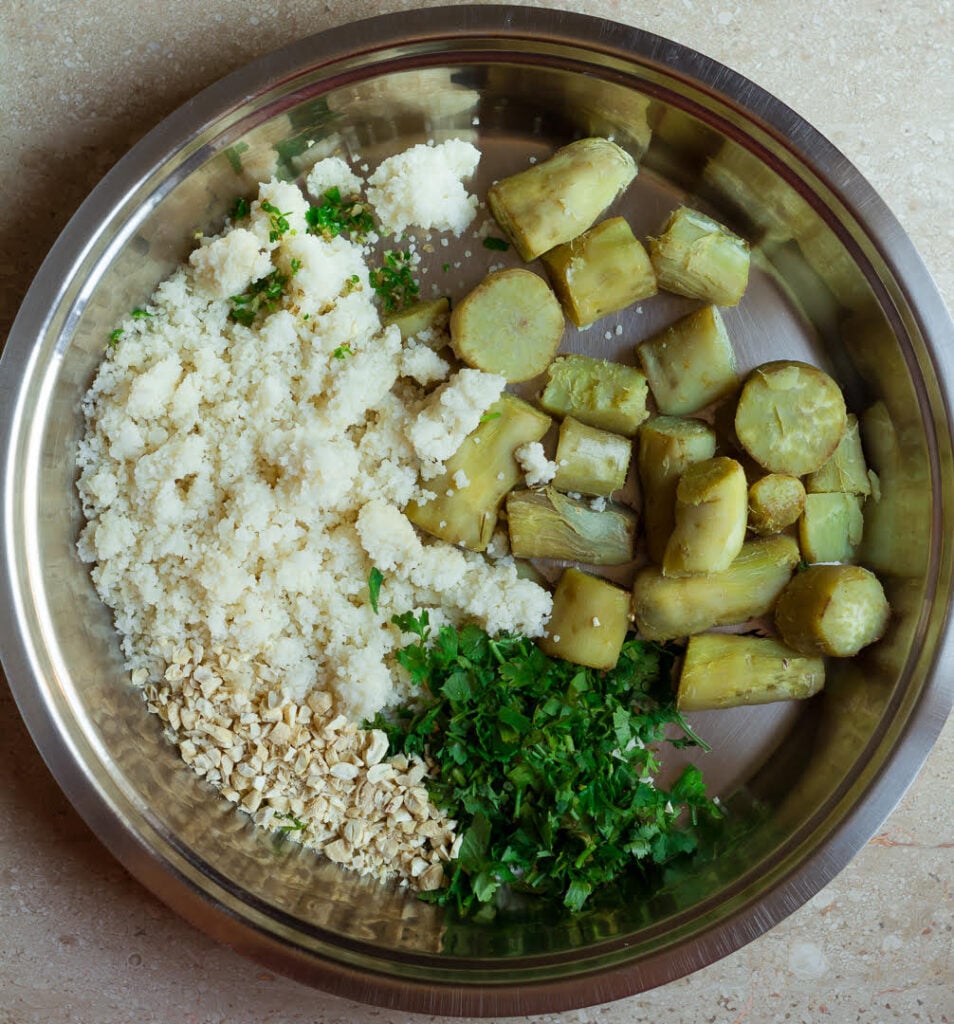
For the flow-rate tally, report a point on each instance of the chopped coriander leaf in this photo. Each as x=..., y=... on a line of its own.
x=394, y=281
x=408, y=622
x=488, y=416
x=277, y=220
x=262, y=295
x=548, y=767
x=240, y=208
x=295, y=266
x=140, y=314
x=333, y=215
x=294, y=824
x=445, y=267
x=375, y=579
x=114, y=337
x=342, y=352
x=497, y=244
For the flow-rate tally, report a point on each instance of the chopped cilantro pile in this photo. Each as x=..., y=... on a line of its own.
x=277, y=221
x=292, y=824
x=262, y=295
x=333, y=215
x=394, y=281
x=548, y=767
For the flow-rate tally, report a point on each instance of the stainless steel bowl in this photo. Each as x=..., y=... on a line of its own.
x=836, y=282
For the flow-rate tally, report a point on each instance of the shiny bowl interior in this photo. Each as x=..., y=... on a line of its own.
x=836, y=282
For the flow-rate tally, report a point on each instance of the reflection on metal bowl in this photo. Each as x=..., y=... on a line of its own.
x=835, y=282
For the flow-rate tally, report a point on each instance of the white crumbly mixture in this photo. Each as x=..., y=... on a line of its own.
x=423, y=187
x=537, y=468
x=449, y=414
x=333, y=172
x=240, y=483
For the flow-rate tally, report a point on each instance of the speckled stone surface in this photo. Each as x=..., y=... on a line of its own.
x=80, y=941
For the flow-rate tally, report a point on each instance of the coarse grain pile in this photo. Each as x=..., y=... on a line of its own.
x=240, y=481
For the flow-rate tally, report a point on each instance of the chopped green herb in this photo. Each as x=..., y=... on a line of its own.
x=262, y=295
x=445, y=267
x=140, y=314
x=295, y=266
x=498, y=244
x=294, y=824
x=488, y=416
x=375, y=579
x=548, y=767
x=277, y=220
x=114, y=337
x=333, y=215
x=394, y=281
x=342, y=352
x=240, y=208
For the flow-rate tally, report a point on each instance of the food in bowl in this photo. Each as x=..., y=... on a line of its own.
x=249, y=447
x=255, y=437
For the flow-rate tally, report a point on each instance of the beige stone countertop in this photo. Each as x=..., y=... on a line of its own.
x=80, y=940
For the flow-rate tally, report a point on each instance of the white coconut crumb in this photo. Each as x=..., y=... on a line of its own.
x=499, y=546
x=595, y=622
x=461, y=480
x=423, y=186
x=274, y=227
x=422, y=364
x=449, y=414
x=464, y=579
x=227, y=266
x=333, y=172
x=537, y=468
x=598, y=504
